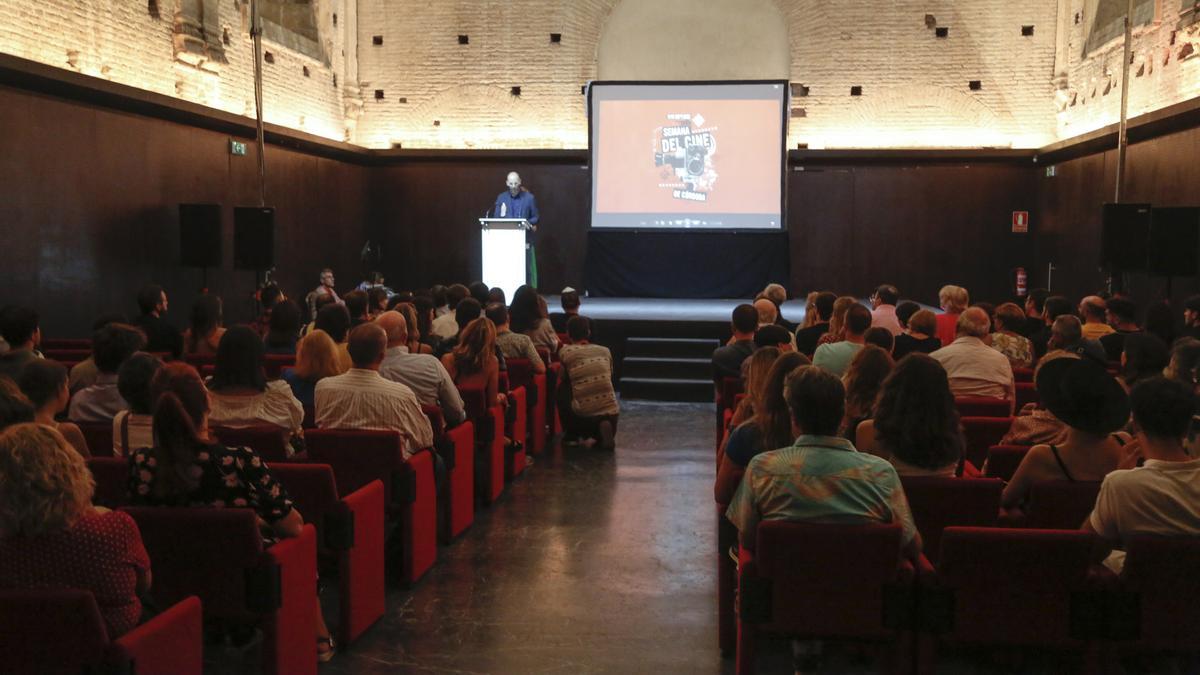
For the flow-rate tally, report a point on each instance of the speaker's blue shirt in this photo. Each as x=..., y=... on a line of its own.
x=521, y=206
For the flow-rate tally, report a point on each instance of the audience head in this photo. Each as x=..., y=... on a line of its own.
x=837, y=319
x=954, y=299
x=579, y=329
x=915, y=416
x=773, y=335
x=817, y=400
x=496, y=294
x=180, y=417
x=368, y=343
x=152, y=299
x=317, y=357
x=44, y=382
x=1081, y=394
x=880, y=337
x=1035, y=302
x=858, y=320
x=810, y=310
x=745, y=320
x=767, y=311
x=269, y=295
x=771, y=412
x=326, y=277
x=990, y=310
x=1054, y=307
x=863, y=378
x=1184, y=365
x=285, y=323
x=468, y=310
x=46, y=485
x=1144, y=356
x=334, y=320
x=395, y=326
x=1092, y=308
x=19, y=327
x=437, y=293
x=455, y=294
x=1122, y=312
x=904, y=312
x=776, y=293
x=569, y=301
x=206, y=316
x=824, y=303
x=974, y=323
x=476, y=344
x=1065, y=332
x=113, y=344
x=239, y=362
x=1191, y=310
x=1162, y=409
x=759, y=367
x=525, y=313
x=923, y=322
x=1160, y=321
x=480, y=292
x=356, y=304
x=498, y=314
x=15, y=406
x=885, y=294
x=133, y=381
x=1010, y=317
x=424, y=307
x=409, y=312
x=377, y=300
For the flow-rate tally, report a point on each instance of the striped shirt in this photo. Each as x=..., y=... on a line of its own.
x=589, y=368
x=363, y=399
x=427, y=378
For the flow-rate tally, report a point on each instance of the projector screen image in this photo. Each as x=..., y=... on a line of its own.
x=688, y=155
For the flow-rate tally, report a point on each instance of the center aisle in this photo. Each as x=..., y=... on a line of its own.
x=593, y=562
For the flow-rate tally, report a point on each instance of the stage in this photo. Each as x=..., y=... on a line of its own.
x=688, y=310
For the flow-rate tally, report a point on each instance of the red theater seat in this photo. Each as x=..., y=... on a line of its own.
x=727, y=390
x=1060, y=504
x=218, y=555
x=982, y=433
x=268, y=440
x=518, y=430
x=68, y=355
x=1026, y=393
x=274, y=364
x=51, y=344
x=982, y=406
x=112, y=481
x=351, y=529
x=1022, y=374
x=488, y=419
x=457, y=448
x=49, y=632
x=1160, y=574
x=520, y=373
x=1003, y=460
x=360, y=457
x=99, y=437
x=939, y=502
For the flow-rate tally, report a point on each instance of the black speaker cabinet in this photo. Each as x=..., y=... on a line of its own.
x=1174, y=241
x=253, y=238
x=200, y=235
x=1124, y=237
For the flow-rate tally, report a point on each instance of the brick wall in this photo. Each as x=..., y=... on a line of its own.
x=1165, y=69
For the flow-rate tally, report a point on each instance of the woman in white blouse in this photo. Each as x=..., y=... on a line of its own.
x=241, y=396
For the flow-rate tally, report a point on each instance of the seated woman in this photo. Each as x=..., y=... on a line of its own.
x=425, y=315
x=188, y=468
x=527, y=314
x=1007, y=340
x=1093, y=406
x=133, y=428
x=15, y=407
x=473, y=361
x=757, y=367
x=44, y=383
x=770, y=427
x=837, y=321
x=205, y=332
x=415, y=345
x=52, y=537
x=863, y=379
x=316, y=358
x=915, y=425
x=241, y=394
x=284, y=328
x=918, y=336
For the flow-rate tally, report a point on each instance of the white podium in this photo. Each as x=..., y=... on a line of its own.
x=503, y=242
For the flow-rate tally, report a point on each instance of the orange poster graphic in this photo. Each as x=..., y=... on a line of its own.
x=689, y=156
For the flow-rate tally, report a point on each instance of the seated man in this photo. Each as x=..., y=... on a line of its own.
x=820, y=478
x=20, y=329
x=1093, y=310
x=445, y=326
x=589, y=407
x=1122, y=316
x=835, y=357
x=1162, y=497
x=974, y=368
x=768, y=315
x=422, y=373
x=361, y=398
x=161, y=336
x=570, y=305
x=727, y=360
x=111, y=347
x=1066, y=334
x=883, y=314
x=514, y=345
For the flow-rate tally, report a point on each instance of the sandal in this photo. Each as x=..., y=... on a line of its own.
x=327, y=655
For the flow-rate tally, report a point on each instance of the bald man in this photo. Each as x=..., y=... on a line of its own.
x=1092, y=311
x=768, y=315
x=422, y=373
x=974, y=368
x=517, y=202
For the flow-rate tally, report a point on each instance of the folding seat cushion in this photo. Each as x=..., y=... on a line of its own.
x=53, y=631
x=1060, y=504
x=351, y=529
x=99, y=437
x=269, y=441
x=488, y=419
x=520, y=373
x=982, y=433
x=1003, y=460
x=982, y=406
x=112, y=481
x=939, y=502
x=218, y=555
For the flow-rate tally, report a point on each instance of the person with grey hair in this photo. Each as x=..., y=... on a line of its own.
x=777, y=294
x=974, y=368
x=423, y=373
x=1066, y=334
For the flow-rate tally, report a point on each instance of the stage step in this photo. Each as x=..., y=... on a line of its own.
x=667, y=389
x=683, y=348
x=664, y=367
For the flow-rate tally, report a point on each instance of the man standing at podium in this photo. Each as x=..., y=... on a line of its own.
x=517, y=202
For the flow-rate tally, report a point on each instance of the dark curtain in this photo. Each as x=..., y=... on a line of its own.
x=684, y=264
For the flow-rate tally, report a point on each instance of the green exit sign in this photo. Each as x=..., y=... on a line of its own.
x=237, y=148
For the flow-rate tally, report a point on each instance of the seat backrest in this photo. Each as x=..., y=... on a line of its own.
x=1026, y=393
x=1060, y=503
x=51, y=631
x=828, y=579
x=204, y=552
x=437, y=421
x=69, y=354
x=981, y=433
x=938, y=502
x=99, y=437
x=474, y=401
x=730, y=388
x=198, y=360
x=274, y=364
x=1162, y=571
x=1022, y=374
x=520, y=372
x=112, y=481
x=49, y=344
x=1003, y=460
x=357, y=456
x=545, y=354
x=312, y=488
x=982, y=406
x=1014, y=586
x=268, y=440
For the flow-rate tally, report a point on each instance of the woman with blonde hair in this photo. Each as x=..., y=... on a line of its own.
x=414, y=344
x=758, y=365
x=473, y=361
x=837, y=321
x=52, y=537
x=954, y=300
x=316, y=358
x=810, y=310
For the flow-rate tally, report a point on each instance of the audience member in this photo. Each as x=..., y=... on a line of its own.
x=904, y=312
x=1066, y=334
x=473, y=361
x=513, y=345
x=422, y=373
x=284, y=328
x=771, y=425
x=880, y=337
x=835, y=357
x=918, y=336
x=268, y=296
x=592, y=410
x=317, y=357
x=1184, y=365
x=727, y=360
x=334, y=319
x=497, y=294
x=377, y=301
x=437, y=293
x=1093, y=407
x=810, y=311
x=1191, y=317
x=837, y=321
x=160, y=335
x=863, y=380
x=361, y=398
x=570, y=302
x=756, y=369
x=975, y=369
x=1121, y=314
x=111, y=346
x=414, y=344
x=424, y=309
x=465, y=312
x=1007, y=338
x=52, y=537
x=83, y=374
x=445, y=325
x=480, y=292
x=1092, y=311
x=15, y=406
x=816, y=318
x=1053, y=307
x=989, y=309
x=1034, y=424
x=20, y=329
x=527, y=315
x=915, y=425
x=773, y=335
x=134, y=428
x=44, y=383
x=240, y=394
x=777, y=294
x=1035, y=305
x=357, y=307
x=207, y=326
x=953, y=300
x=1144, y=356
x=883, y=312
x=324, y=290
x=1161, y=497
x=820, y=478
x=768, y=312
x=1160, y=321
